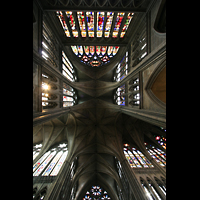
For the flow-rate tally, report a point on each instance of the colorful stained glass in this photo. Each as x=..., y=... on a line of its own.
x=105, y=59
x=52, y=164
x=59, y=164
x=100, y=20
x=75, y=50
x=96, y=193
x=81, y=20
x=87, y=50
x=72, y=23
x=161, y=140
x=92, y=51
x=110, y=49
x=44, y=164
x=63, y=23
x=98, y=50
x=80, y=50
x=115, y=50
x=90, y=23
x=37, y=164
x=157, y=156
x=136, y=158
x=103, y=50
x=117, y=24
x=127, y=22
x=108, y=23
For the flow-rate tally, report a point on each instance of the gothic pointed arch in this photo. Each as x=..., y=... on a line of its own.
x=156, y=85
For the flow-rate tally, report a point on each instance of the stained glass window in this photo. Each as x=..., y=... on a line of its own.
x=161, y=140
x=118, y=24
x=90, y=23
x=157, y=154
x=119, y=97
x=127, y=22
x=104, y=22
x=69, y=95
x=72, y=23
x=51, y=160
x=100, y=20
x=36, y=150
x=81, y=20
x=122, y=68
x=67, y=68
x=95, y=56
x=108, y=23
x=63, y=23
x=136, y=158
x=96, y=193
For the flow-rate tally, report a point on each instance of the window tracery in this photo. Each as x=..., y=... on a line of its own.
x=119, y=96
x=101, y=19
x=136, y=158
x=122, y=69
x=95, y=56
x=157, y=154
x=96, y=193
x=51, y=162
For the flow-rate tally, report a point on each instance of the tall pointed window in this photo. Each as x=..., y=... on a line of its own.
x=67, y=68
x=96, y=192
x=136, y=158
x=51, y=162
x=86, y=23
x=122, y=68
x=126, y=25
x=118, y=24
x=69, y=96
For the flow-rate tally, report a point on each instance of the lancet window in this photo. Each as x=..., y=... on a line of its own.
x=51, y=162
x=157, y=154
x=49, y=43
x=67, y=68
x=151, y=191
x=69, y=96
x=136, y=158
x=122, y=68
x=96, y=192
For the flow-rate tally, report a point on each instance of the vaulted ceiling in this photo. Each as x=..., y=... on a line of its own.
x=97, y=132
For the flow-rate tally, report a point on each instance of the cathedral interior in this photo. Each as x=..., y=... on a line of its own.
x=99, y=99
